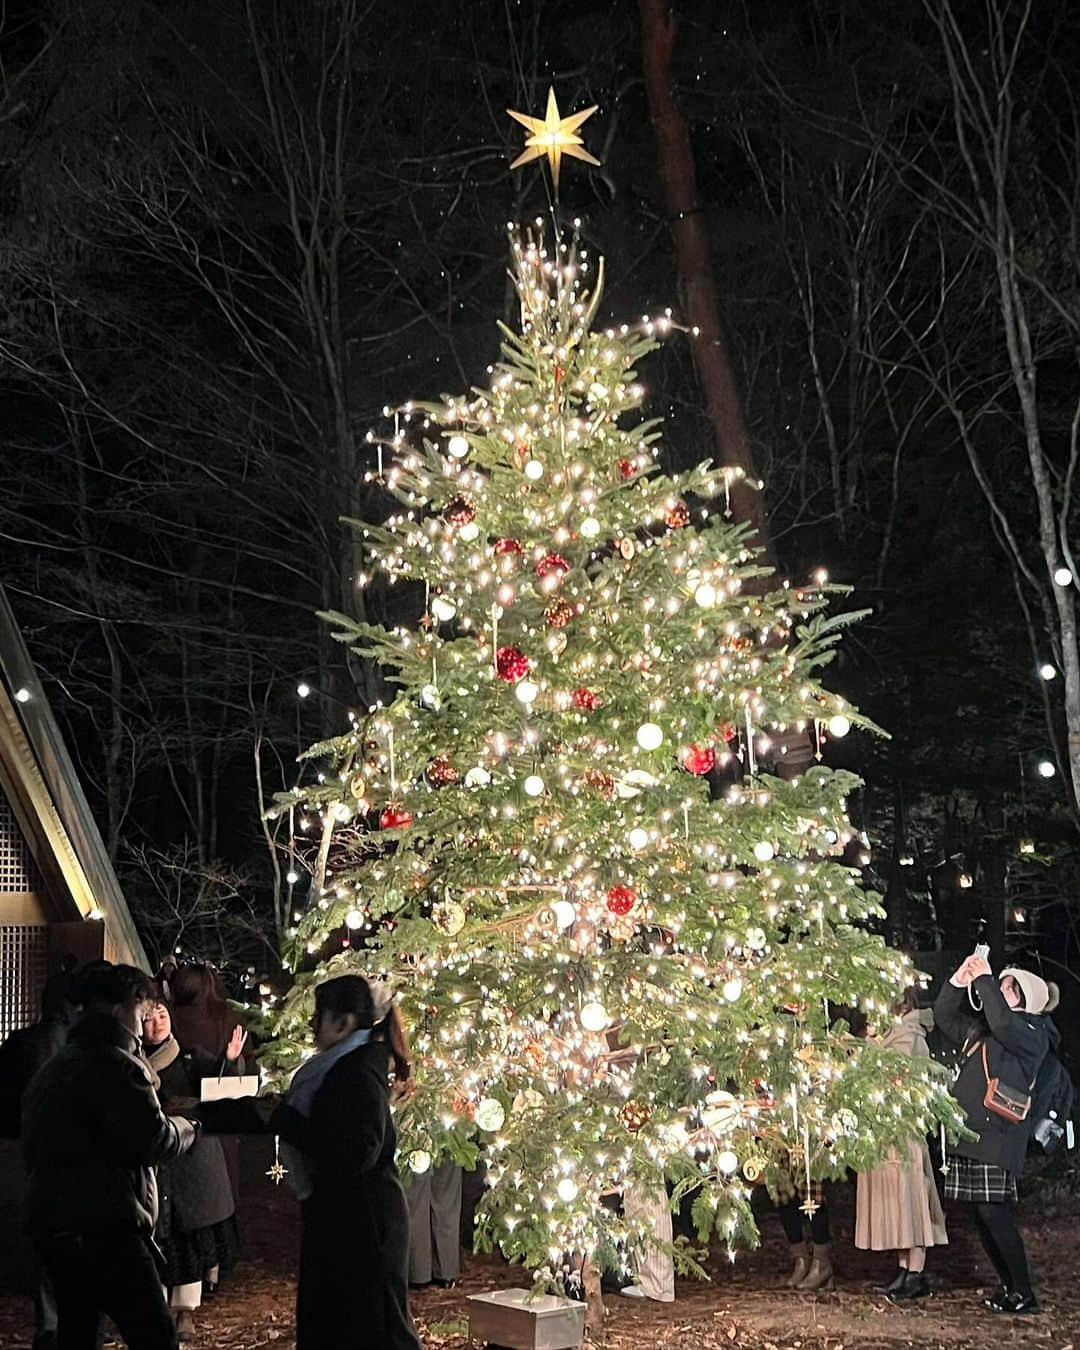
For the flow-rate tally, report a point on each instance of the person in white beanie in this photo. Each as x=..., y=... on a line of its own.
x=1004, y=1034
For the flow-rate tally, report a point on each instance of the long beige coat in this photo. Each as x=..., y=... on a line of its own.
x=897, y=1205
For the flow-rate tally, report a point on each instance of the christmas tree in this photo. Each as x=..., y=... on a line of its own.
x=620, y=943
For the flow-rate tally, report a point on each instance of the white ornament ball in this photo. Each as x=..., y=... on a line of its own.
x=650, y=736
x=457, y=446
x=477, y=777
x=727, y=1162
x=839, y=726
x=469, y=532
x=534, y=470
x=567, y=1189
x=593, y=1017
x=705, y=595
x=490, y=1114
x=419, y=1161
x=590, y=527
x=638, y=838
x=732, y=989
x=721, y=1112
x=443, y=609
x=533, y=785
x=354, y=919
x=526, y=691
x=342, y=811
x=564, y=912
x=755, y=939
x=764, y=852
x=430, y=697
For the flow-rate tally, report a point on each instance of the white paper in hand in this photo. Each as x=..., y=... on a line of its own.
x=222, y=1089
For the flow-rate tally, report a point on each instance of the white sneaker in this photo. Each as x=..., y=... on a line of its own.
x=633, y=1291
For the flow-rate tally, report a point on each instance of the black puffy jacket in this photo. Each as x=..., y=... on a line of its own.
x=93, y=1129
x=1016, y=1045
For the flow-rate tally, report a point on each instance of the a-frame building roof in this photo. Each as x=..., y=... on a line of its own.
x=43, y=790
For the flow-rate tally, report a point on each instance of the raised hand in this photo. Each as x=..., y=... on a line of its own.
x=236, y=1044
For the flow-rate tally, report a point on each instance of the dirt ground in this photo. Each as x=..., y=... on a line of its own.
x=740, y=1307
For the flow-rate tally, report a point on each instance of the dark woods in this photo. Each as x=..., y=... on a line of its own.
x=232, y=233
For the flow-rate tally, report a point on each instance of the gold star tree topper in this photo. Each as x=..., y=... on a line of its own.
x=553, y=137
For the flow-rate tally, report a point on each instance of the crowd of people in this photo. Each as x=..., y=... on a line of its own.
x=132, y=1177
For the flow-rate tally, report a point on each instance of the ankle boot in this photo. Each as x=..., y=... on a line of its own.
x=820, y=1274
x=915, y=1285
x=801, y=1252
x=896, y=1285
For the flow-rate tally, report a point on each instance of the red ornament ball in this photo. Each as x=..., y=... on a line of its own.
x=697, y=759
x=507, y=548
x=394, y=817
x=728, y=732
x=627, y=468
x=552, y=565
x=677, y=516
x=460, y=509
x=621, y=899
x=584, y=699
x=511, y=664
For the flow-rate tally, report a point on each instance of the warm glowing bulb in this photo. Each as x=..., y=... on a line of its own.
x=23, y=695
x=526, y=691
x=839, y=726
x=292, y=877
x=649, y=736
x=567, y=1189
x=564, y=913
x=705, y=595
x=1063, y=576
x=1046, y=769
x=457, y=446
x=764, y=852
x=594, y=1017
x=302, y=690
x=533, y=785
x=727, y=1162
x=354, y=919
x=443, y=609
x=590, y=528
x=732, y=989
x=469, y=532
x=638, y=837
x=1047, y=671
x=534, y=470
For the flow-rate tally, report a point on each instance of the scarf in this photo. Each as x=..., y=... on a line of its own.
x=306, y=1082
x=161, y=1056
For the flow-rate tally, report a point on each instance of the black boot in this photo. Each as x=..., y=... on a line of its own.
x=915, y=1285
x=1010, y=1301
x=896, y=1285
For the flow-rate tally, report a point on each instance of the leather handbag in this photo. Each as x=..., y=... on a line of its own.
x=1009, y=1103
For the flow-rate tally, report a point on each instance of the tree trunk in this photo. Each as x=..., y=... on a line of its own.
x=594, y=1303
x=691, y=238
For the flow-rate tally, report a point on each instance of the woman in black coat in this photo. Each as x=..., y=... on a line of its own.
x=354, y=1251
x=197, y=1228
x=1007, y=1039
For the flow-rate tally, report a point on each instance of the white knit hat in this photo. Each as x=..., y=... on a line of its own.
x=1038, y=995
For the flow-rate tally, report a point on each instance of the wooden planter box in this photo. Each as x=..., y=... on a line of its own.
x=518, y=1319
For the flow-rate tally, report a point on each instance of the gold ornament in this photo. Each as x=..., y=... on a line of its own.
x=676, y=517
x=553, y=137
x=358, y=787
x=634, y=1115
x=448, y=917
x=753, y=1169
x=627, y=549
x=621, y=927
x=602, y=783
x=559, y=613
x=440, y=772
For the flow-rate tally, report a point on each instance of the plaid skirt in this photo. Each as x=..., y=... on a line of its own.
x=978, y=1183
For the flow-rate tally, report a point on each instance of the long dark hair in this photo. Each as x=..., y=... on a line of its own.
x=196, y=984
x=346, y=994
